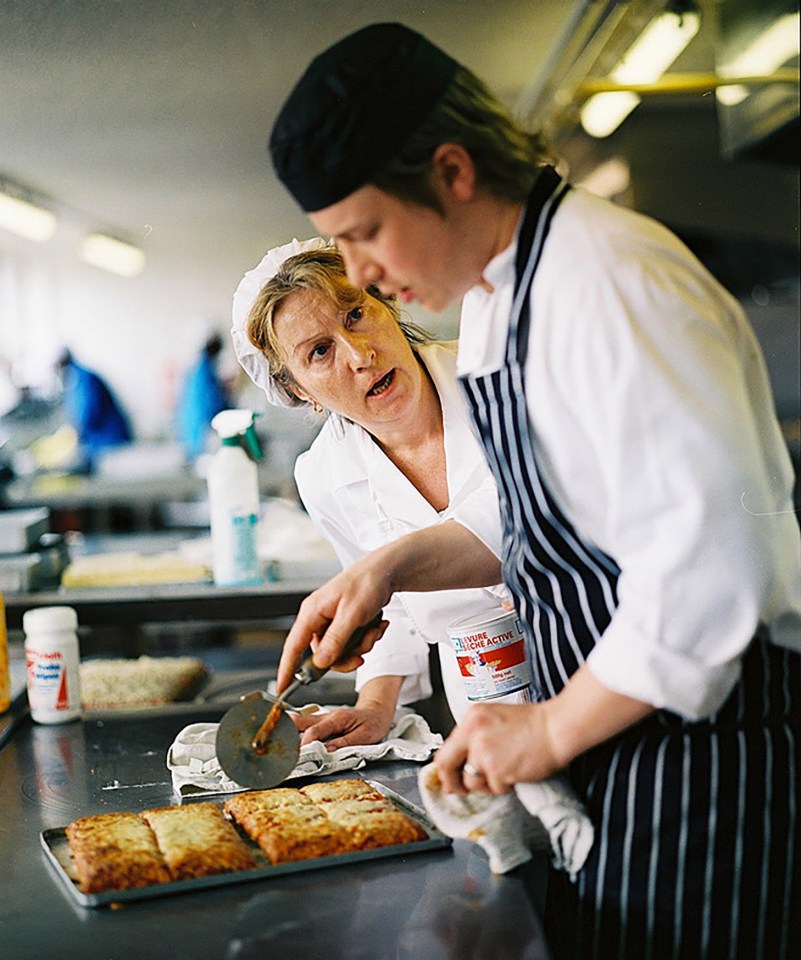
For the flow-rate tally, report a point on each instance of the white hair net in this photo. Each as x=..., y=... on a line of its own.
x=252, y=361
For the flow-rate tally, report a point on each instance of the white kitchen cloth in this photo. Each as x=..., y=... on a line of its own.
x=195, y=770
x=504, y=825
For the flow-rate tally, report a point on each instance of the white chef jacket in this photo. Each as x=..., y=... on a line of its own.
x=359, y=500
x=654, y=427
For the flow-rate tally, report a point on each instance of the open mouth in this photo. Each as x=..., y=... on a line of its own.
x=381, y=385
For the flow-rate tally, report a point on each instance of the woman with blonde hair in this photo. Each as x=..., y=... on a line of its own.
x=395, y=454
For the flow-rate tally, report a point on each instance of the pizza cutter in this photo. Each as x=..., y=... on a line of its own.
x=257, y=744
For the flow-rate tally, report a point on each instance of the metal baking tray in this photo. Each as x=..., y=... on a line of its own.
x=56, y=848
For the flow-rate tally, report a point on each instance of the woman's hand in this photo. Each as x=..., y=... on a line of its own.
x=345, y=727
x=369, y=721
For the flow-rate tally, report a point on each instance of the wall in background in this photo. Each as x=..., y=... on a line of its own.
x=141, y=333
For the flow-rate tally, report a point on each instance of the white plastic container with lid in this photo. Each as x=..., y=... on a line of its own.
x=234, y=500
x=52, y=659
x=492, y=656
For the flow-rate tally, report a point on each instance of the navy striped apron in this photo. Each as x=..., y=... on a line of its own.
x=697, y=850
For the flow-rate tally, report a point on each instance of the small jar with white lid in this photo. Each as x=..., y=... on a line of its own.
x=52, y=657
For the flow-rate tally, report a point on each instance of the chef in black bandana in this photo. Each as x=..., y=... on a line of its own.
x=649, y=538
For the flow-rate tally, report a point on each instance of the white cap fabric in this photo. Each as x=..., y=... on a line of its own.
x=251, y=360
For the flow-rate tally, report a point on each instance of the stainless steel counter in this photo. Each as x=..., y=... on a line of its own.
x=426, y=906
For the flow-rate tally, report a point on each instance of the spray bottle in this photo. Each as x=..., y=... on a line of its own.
x=234, y=500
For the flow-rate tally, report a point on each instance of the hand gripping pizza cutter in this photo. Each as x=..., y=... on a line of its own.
x=257, y=743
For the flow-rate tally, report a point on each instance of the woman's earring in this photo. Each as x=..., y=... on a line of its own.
x=317, y=407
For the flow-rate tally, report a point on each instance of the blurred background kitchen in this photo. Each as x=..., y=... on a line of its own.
x=136, y=189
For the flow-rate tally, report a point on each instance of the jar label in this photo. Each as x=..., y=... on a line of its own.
x=48, y=681
x=491, y=653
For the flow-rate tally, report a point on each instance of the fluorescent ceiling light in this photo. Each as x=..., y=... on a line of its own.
x=25, y=219
x=657, y=47
x=113, y=255
x=603, y=113
x=768, y=51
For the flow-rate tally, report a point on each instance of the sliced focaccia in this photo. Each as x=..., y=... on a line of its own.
x=320, y=819
x=286, y=828
x=260, y=800
x=197, y=841
x=369, y=818
x=255, y=810
x=373, y=823
x=331, y=790
x=115, y=851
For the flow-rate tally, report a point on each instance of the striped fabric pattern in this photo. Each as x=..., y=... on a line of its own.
x=566, y=589
x=697, y=852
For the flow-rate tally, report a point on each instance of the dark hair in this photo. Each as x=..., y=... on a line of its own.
x=505, y=155
x=213, y=345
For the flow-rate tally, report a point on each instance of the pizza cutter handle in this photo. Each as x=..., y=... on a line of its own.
x=308, y=672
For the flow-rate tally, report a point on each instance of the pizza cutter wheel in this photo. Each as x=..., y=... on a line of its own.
x=272, y=763
x=257, y=744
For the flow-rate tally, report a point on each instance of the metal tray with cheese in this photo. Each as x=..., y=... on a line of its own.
x=56, y=849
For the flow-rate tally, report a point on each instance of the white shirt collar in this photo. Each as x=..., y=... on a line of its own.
x=485, y=314
x=501, y=268
x=362, y=459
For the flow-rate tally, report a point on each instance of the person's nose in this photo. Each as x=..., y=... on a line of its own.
x=358, y=350
x=362, y=271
